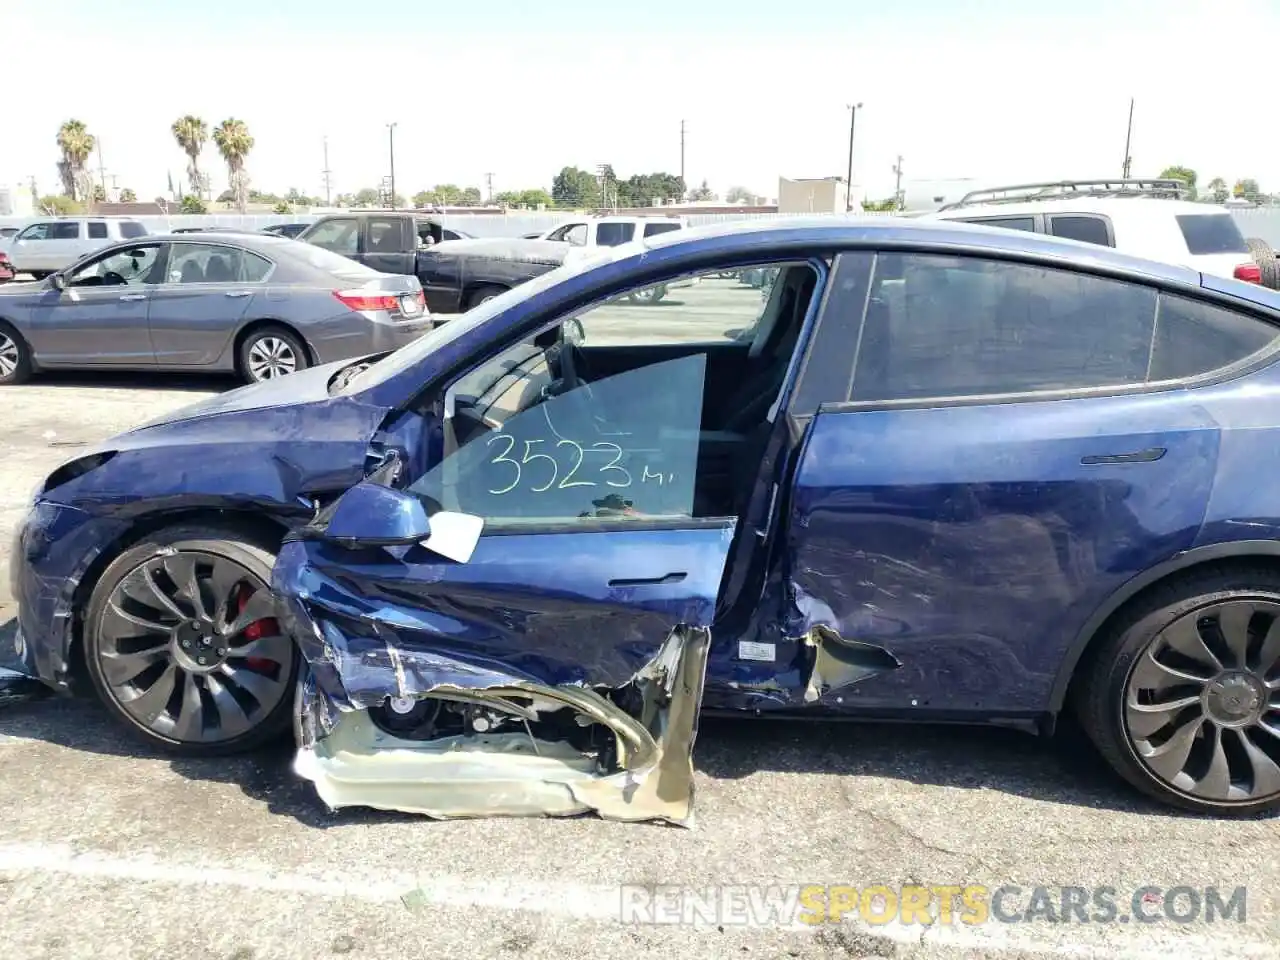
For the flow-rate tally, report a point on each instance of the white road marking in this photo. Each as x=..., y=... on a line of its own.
x=575, y=901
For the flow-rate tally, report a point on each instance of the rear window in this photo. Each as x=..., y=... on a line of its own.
x=653, y=229
x=1008, y=223
x=1211, y=233
x=330, y=262
x=1084, y=229
x=97, y=231
x=131, y=230
x=614, y=234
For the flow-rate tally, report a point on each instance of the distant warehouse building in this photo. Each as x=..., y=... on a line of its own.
x=817, y=195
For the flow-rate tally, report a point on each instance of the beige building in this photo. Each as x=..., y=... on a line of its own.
x=817, y=195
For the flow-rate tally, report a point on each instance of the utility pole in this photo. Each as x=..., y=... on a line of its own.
x=1128, y=139
x=682, y=152
x=848, y=180
x=102, y=173
x=897, y=186
x=391, y=131
x=488, y=181
x=328, y=197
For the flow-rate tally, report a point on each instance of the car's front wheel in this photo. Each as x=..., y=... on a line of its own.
x=271, y=352
x=182, y=645
x=15, y=356
x=1183, y=696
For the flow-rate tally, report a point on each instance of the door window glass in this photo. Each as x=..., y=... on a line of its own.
x=524, y=446
x=1008, y=223
x=653, y=229
x=576, y=235
x=123, y=267
x=614, y=234
x=131, y=230
x=213, y=263
x=1194, y=338
x=940, y=326
x=384, y=235
x=1084, y=229
x=705, y=308
x=97, y=231
x=341, y=236
x=37, y=231
x=65, y=230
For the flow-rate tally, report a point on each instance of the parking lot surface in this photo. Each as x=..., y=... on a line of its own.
x=109, y=851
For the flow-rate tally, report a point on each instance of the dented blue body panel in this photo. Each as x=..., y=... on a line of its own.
x=908, y=569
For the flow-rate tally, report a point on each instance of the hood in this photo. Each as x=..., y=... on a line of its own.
x=504, y=248
x=306, y=386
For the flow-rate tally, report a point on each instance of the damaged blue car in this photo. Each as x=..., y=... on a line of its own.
x=940, y=472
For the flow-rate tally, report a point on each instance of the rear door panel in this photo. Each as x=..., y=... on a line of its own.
x=972, y=542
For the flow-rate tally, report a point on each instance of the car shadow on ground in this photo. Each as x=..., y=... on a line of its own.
x=1063, y=769
x=136, y=380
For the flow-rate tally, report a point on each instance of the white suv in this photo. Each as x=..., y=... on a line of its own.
x=1147, y=218
x=45, y=246
x=589, y=234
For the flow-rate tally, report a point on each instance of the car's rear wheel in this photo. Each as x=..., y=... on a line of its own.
x=182, y=645
x=1183, y=696
x=483, y=295
x=271, y=352
x=15, y=356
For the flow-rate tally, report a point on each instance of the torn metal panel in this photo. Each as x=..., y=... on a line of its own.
x=839, y=663
x=648, y=775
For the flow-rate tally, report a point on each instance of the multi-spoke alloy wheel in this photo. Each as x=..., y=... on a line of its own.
x=184, y=645
x=1203, y=704
x=271, y=352
x=1183, y=698
x=15, y=362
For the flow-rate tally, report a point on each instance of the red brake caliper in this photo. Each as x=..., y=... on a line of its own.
x=266, y=627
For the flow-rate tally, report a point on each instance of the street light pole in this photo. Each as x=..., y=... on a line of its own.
x=848, y=180
x=391, y=136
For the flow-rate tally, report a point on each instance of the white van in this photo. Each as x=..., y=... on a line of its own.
x=50, y=244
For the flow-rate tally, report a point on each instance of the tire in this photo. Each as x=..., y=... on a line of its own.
x=648, y=296
x=271, y=352
x=1121, y=715
x=163, y=559
x=482, y=295
x=1265, y=258
x=15, y=356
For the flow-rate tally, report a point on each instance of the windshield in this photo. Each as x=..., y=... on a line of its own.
x=404, y=358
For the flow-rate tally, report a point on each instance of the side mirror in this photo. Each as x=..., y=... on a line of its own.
x=58, y=280
x=371, y=515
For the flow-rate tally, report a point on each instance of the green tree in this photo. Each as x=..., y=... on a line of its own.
x=572, y=187
x=192, y=204
x=738, y=195
x=702, y=193
x=471, y=197
x=447, y=194
x=233, y=140
x=1185, y=174
x=60, y=204
x=128, y=196
x=1218, y=187
x=880, y=206
x=424, y=198
x=76, y=144
x=368, y=197
x=641, y=190
x=99, y=193
x=282, y=207
x=1247, y=187
x=534, y=198
x=192, y=133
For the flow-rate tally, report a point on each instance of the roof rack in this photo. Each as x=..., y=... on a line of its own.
x=1165, y=189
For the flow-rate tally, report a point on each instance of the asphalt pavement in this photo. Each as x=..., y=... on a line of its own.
x=110, y=851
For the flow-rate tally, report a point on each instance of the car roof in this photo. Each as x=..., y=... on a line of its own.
x=1127, y=207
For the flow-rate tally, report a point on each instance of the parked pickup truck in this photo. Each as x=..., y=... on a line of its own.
x=456, y=271
x=385, y=240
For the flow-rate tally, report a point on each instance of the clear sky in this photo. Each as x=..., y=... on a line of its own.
x=1002, y=89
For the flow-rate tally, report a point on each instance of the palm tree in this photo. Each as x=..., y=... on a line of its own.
x=76, y=143
x=192, y=133
x=234, y=142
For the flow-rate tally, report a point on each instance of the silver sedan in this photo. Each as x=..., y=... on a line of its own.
x=256, y=305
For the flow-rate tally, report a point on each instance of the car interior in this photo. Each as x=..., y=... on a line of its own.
x=742, y=380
